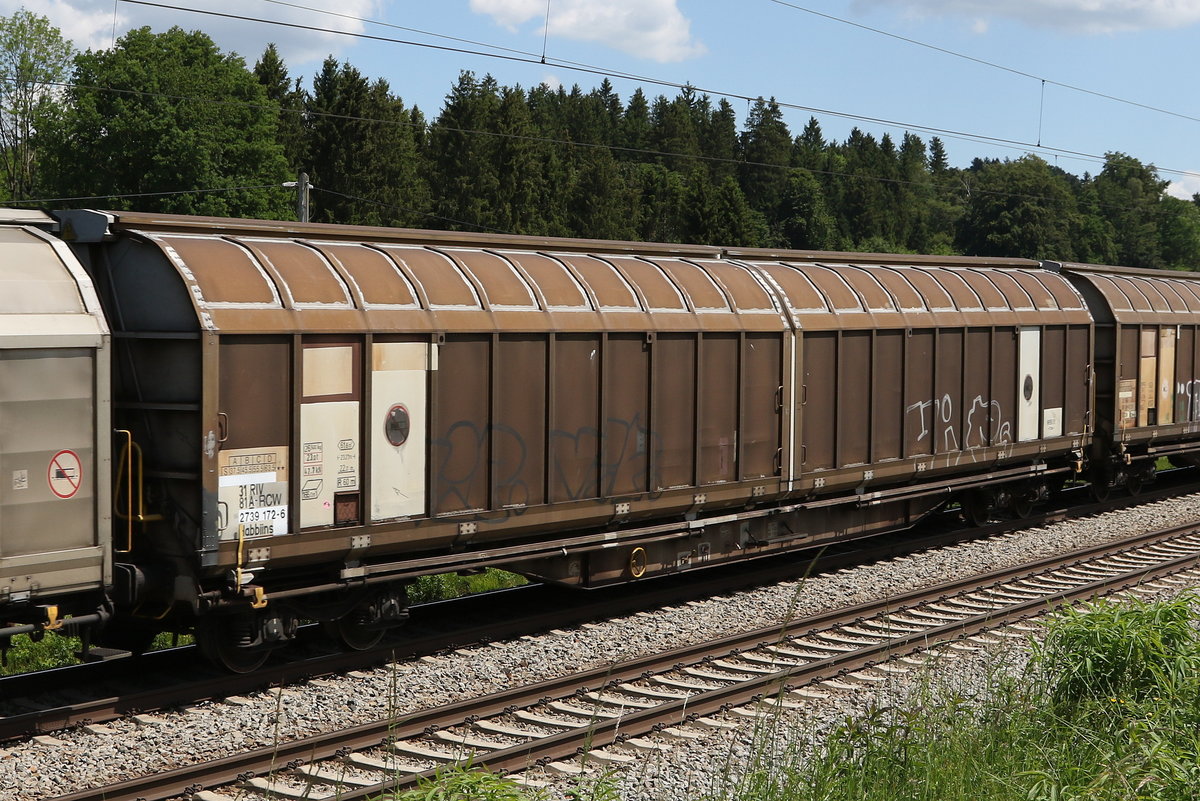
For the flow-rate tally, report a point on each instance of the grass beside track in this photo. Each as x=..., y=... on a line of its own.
x=54, y=651
x=1107, y=709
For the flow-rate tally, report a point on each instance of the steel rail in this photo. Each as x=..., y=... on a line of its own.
x=605, y=731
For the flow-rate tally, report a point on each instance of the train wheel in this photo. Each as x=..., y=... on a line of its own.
x=1101, y=478
x=353, y=632
x=1021, y=505
x=1021, y=508
x=365, y=625
x=221, y=639
x=977, y=508
x=1135, y=483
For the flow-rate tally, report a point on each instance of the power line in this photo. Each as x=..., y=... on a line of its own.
x=598, y=71
x=168, y=193
x=984, y=62
x=394, y=26
x=398, y=207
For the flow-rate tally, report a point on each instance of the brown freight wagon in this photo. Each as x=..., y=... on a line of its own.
x=323, y=412
x=913, y=367
x=1147, y=366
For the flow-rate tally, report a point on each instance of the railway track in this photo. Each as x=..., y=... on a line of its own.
x=776, y=667
x=48, y=701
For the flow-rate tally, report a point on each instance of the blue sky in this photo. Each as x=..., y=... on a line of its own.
x=1141, y=51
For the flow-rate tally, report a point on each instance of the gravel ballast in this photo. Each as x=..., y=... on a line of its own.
x=86, y=757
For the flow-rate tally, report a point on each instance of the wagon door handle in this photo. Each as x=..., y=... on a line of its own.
x=223, y=426
x=777, y=461
x=779, y=398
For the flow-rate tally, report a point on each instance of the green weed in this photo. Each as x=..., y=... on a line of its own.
x=54, y=651
x=1129, y=650
x=464, y=783
x=452, y=585
x=467, y=783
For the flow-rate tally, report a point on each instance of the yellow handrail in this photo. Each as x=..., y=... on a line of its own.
x=125, y=469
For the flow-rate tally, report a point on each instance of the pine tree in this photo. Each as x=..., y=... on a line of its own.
x=391, y=183
x=767, y=151
x=719, y=140
x=598, y=199
x=673, y=133
x=337, y=140
x=658, y=203
x=809, y=149
x=938, y=163
x=461, y=167
x=635, y=128
x=291, y=98
x=610, y=111
x=805, y=221
x=518, y=168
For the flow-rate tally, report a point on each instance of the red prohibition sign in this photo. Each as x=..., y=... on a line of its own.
x=65, y=474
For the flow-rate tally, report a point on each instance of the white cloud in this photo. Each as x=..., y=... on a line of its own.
x=87, y=24
x=1074, y=16
x=551, y=81
x=652, y=29
x=1185, y=186
x=509, y=13
x=90, y=24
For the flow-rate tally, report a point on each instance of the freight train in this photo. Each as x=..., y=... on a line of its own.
x=232, y=426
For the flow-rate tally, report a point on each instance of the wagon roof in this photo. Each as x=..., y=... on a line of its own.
x=251, y=275
x=1139, y=296
x=46, y=298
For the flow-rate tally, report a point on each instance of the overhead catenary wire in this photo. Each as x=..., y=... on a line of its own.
x=794, y=6
x=126, y=195
x=599, y=71
x=985, y=62
x=360, y=199
x=175, y=192
x=394, y=26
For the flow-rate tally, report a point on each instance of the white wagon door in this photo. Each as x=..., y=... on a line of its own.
x=399, y=427
x=1029, y=368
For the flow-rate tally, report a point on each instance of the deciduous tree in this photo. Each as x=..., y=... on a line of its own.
x=34, y=58
x=168, y=122
x=1129, y=195
x=1020, y=208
